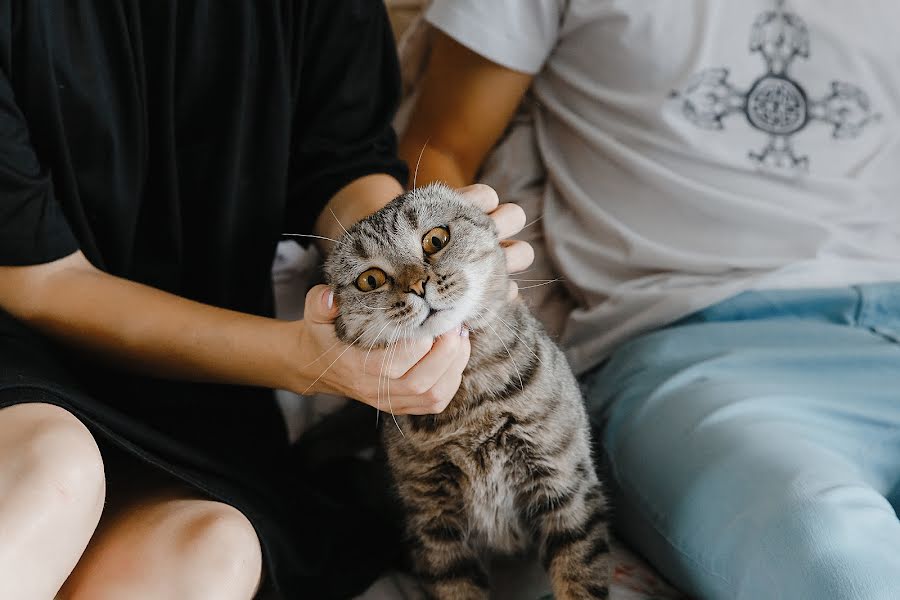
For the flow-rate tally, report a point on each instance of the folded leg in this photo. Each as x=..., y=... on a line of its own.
x=754, y=459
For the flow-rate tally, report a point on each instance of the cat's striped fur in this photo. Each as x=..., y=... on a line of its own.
x=507, y=466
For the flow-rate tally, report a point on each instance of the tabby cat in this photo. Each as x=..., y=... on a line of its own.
x=506, y=468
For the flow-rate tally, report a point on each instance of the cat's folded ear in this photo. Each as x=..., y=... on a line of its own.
x=320, y=306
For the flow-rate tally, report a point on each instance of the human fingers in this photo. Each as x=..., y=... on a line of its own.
x=395, y=360
x=509, y=219
x=439, y=396
x=422, y=377
x=411, y=392
x=513, y=291
x=481, y=195
x=519, y=255
x=320, y=306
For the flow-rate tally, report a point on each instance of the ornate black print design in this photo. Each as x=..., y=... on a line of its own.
x=776, y=104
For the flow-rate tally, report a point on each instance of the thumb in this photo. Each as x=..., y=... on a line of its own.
x=320, y=305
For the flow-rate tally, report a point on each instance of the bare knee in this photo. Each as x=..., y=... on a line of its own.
x=55, y=456
x=171, y=548
x=221, y=551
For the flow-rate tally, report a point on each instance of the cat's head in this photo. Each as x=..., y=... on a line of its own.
x=424, y=264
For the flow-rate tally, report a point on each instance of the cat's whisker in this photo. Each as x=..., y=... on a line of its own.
x=406, y=343
x=337, y=343
x=474, y=318
x=519, y=373
x=419, y=160
x=528, y=287
x=366, y=361
x=309, y=235
x=329, y=349
x=529, y=280
x=374, y=341
x=381, y=373
x=341, y=225
x=513, y=331
x=322, y=374
x=527, y=225
x=392, y=348
x=390, y=405
x=359, y=303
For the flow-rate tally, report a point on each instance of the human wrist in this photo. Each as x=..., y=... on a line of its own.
x=302, y=361
x=294, y=355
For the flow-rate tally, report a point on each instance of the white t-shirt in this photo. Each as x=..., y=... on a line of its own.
x=698, y=148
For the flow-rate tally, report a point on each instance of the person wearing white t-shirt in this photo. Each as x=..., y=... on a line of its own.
x=722, y=200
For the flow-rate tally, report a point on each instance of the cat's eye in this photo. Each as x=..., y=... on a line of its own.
x=371, y=280
x=435, y=240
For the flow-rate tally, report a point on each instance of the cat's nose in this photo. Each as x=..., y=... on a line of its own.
x=418, y=288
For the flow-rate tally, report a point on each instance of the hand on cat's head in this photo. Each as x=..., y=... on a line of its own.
x=509, y=219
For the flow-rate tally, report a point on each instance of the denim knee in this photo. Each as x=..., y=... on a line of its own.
x=835, y=542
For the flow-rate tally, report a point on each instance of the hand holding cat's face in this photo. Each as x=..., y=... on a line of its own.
x=426, y=263
x=416, y=377
x=509, y=219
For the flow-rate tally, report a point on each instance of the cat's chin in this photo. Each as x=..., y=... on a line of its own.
x=439, y=322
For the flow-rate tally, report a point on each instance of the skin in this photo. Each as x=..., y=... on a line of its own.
x=57, y=537
x=465, y=104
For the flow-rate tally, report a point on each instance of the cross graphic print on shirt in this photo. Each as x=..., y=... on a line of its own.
x=776, y=104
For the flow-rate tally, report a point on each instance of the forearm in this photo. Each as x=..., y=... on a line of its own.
x=150, y=331
x=465, y=104
x=143, y=329
x=353, y=202
x=428, y=163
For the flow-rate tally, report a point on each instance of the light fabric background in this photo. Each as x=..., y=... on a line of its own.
x=697, y=149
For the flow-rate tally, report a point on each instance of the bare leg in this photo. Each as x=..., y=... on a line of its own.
x=170, y=547
x=51, y=495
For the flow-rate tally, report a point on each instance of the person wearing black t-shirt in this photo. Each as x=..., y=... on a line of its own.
x=151, y=156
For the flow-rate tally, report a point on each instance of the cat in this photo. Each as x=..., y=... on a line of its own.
x=506, y=467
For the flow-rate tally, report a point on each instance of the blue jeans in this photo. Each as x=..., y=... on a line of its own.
x=755, y=446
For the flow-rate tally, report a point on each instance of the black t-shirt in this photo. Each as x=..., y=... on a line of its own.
x=173, y=141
